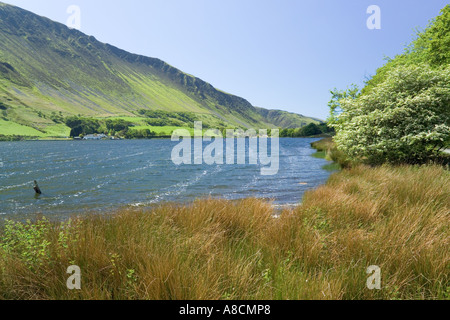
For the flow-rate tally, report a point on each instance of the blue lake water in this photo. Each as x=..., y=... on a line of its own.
x=89, y=176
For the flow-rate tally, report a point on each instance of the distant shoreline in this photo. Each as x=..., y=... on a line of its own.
x=333, y=233
x=155, y=138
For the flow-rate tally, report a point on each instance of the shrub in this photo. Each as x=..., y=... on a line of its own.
x=57, y=118
x=311, y=129
x=118, y=125
x=140, y=134
x=82, y=126
x=405, y=119
x=27, y=241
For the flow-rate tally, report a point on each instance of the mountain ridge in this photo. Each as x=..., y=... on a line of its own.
x=47, y=68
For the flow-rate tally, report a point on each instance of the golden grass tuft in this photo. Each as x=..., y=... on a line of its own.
x=393, y=217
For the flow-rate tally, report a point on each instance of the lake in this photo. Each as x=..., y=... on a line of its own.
x=97, y=176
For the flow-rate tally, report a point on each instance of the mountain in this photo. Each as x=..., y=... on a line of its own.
x=286, y=120
x=48, y=71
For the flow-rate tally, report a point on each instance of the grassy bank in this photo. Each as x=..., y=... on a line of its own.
x=326, y=148
x=393, y=217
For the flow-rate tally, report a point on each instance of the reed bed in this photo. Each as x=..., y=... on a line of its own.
x=394, y=217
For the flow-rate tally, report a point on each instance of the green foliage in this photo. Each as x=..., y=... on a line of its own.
x=82, y=126
x=11, y=138
x=27, y=241
x=326, y=148
x=56, y=117
x=432, y=46
x=288, y=133
x=164, y=122
x=159, y=118
x=118, y=125
x=405, y=119
x=159, y=114
x=337, y=96
x=128, y=129
x=140, y=134
x=402, y=114
x=310, y=130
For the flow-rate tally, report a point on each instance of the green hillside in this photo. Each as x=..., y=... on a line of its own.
x=286, y=120
x=49, y=72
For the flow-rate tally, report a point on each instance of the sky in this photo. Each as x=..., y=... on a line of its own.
x=277, y=54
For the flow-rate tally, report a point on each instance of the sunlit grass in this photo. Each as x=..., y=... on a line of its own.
x=11, y=128
x=166, y=130
x=393, y=217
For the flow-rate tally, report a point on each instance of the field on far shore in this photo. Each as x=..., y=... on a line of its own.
x=60, y=131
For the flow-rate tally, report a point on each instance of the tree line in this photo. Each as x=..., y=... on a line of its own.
x=113, y=127
x=81, y=126
x=310, y=130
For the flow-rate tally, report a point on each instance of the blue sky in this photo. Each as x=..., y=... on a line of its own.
x=284, y=54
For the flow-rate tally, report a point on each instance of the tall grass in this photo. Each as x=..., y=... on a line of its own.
x=393, y=217
x=328, y=148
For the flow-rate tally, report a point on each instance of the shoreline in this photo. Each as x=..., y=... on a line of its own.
x=69, y=208
x=23, y=139
x=278, y=207
x=246, y=249
x=318, y=250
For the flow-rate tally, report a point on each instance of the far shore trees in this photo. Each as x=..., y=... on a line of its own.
x=82, y=126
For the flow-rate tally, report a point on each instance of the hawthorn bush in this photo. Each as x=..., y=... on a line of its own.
x=405, y=119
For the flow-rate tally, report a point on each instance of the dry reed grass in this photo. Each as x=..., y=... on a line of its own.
x=393, y=217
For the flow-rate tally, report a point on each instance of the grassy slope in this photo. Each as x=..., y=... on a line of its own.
x=44, y=66
x=287, y=120
x=393, y=217
x=9, y=128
